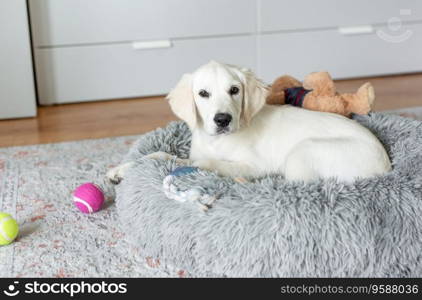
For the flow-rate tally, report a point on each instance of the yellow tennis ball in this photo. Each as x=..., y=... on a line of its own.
x=8, y=229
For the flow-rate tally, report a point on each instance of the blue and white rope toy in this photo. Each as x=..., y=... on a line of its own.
x=196, y=194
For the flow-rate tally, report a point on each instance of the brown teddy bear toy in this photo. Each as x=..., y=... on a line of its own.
x=319, y=93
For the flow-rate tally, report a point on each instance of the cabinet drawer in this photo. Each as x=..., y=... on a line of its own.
x=343, y=56
x=70, y=22
x=302, y=14
x=73, y=74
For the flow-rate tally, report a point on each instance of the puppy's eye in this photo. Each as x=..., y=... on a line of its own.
x=204, y=94
x=234, y=90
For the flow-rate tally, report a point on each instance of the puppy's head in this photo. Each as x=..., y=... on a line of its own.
x=218, y=98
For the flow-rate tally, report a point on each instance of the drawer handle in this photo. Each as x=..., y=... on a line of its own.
x=151, y=45
x=353, y=30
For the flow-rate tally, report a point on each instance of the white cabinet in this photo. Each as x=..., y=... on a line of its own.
x=304, y=14
x=103, y=49
x=299, y=53
x=74, y=22
x=66, y=74
x=347, y=38
x=17, y=95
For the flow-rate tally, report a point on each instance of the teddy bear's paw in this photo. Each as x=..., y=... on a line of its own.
x=368, y=92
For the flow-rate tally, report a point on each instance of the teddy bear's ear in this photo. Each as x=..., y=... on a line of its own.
x=320, y=83
x=255, y=95
x=285, y=82
x=182, y=101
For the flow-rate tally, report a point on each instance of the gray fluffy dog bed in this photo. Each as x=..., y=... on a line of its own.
x=271, y=228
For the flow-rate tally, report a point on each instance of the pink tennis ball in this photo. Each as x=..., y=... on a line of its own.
x=88, y=198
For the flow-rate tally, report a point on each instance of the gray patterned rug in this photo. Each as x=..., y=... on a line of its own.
x=56, y=240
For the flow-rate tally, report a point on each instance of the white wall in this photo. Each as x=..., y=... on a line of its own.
x=17, y=94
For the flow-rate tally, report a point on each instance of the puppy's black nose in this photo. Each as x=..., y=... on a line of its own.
x=222, y=120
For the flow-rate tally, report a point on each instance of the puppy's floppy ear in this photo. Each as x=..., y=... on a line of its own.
x=255, y=95
x=182, y=102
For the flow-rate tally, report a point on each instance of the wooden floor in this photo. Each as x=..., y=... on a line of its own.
x=135, y=116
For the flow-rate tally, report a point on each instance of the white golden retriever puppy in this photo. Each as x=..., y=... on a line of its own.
x=234, y=132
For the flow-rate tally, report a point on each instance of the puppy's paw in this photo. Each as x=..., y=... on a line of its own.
x=116, y=174
x=204, y=164
x=240, y=180
x=159, y=155
x=113, y=176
